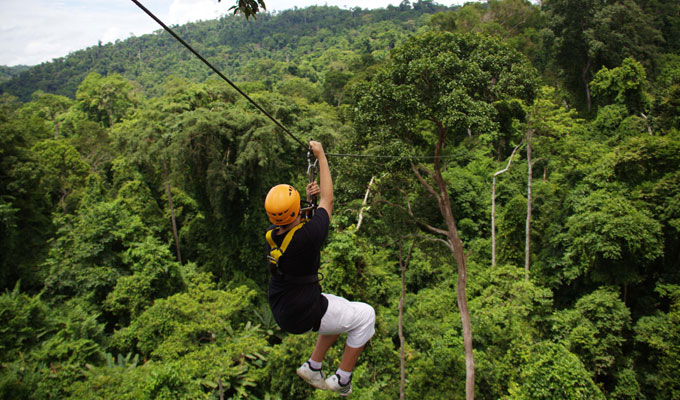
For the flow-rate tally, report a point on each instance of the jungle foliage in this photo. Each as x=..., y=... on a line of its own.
x=104, y=154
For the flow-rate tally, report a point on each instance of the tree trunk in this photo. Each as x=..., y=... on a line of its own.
x=649, y=127
x=457, y=248
x=493, y=221
x=402, y=341
x=493, y=206
x=584, y=76
x=62, y=199
x=172, y=212
x=527, y=239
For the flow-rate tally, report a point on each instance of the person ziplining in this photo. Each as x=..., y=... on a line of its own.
x=295, y=295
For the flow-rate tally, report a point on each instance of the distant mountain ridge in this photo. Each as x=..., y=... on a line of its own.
x=233, y=45
x=7, y=73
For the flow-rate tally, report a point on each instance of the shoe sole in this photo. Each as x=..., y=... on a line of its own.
x=339, y=391
x=312, y=383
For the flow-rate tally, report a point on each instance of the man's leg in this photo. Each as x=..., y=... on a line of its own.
x=341, y=381
x=323, y=343
x=358, y=320
x=350, y=357
x=310, y=371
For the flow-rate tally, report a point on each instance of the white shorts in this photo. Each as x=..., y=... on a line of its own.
x=352, y=317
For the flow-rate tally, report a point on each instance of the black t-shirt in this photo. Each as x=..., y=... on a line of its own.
x=297, y=308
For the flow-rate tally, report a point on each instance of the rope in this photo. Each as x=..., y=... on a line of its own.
x=221, y=75
x=386, y=157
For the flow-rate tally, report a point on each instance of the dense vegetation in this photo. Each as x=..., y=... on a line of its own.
x=132, y=181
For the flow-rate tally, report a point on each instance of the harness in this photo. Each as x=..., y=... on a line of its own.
x=276, y=252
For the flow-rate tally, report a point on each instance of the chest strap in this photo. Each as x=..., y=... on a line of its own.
x=275, y=252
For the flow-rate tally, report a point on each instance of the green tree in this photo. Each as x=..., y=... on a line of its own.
x=591, y=34
x=546, y=123
x=612, y=240
x=623, y=85
x=594, y=330
x=25, y=319
x=25, y=223
x=202, y=337
x=334, y=85
x=108, y=253
x=106, y=99
x=439, y=88
x=550, y=371
x=48, y=107
x=667, y=92
x=44, y=348
x=510, y=314
x=658, y=336
x=249, y=8
x=299, y=87
x=62, y=170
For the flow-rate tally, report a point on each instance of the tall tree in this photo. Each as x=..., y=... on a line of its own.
x=623, y=85
x=106, y=99
x=49, y=108
x=24, y=211
x=62, y=170
x=547, y=122
x=436, y=90
x=591, y=34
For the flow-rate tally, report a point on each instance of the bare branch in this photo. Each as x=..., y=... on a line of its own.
x=363, y=204
x=426, y=225
x=509, y=159
x=416, y=171
x=409, y=211
x=432, y=239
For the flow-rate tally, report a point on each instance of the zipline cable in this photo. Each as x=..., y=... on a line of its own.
x=253, y=102
x=386, y=157
x=221, y=75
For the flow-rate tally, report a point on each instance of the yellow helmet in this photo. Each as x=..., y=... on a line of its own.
x=282, y=204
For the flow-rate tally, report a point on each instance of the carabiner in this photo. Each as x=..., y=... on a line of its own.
x=312, y=167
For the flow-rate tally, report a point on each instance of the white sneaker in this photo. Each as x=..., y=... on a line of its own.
x=315, y=378
x=333, y=384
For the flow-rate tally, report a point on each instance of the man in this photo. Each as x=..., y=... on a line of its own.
x=295, y=295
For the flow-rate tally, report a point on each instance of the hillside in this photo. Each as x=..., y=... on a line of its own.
x=7, y=73
x=298, y=43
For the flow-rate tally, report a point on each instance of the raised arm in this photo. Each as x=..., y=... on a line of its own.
x=326, y=181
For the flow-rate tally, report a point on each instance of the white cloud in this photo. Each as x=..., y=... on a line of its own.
x=182, y=11
x=280, y=5
x=41, y=30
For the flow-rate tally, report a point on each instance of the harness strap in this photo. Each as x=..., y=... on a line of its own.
x=276, y=252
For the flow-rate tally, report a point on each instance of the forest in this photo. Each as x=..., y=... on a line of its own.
x=507, y=198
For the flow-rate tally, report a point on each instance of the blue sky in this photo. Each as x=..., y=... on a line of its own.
x=35, y=31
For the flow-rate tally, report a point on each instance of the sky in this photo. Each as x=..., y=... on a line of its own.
x=36, y=31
